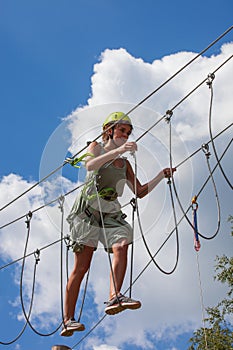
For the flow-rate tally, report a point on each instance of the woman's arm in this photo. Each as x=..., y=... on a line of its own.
x=95, y=162
x=143, y=190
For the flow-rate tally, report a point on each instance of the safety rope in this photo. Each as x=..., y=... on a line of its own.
x=105, y=239
x=134, y=205
x=197, y=247
x=61, y=207
x=210, y=84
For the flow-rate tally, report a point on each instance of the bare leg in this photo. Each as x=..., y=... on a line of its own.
x=119, y=264
x=81, y=266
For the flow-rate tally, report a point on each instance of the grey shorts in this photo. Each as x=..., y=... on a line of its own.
x=87, y=229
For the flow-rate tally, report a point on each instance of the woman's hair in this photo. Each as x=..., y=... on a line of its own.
x=107, y=127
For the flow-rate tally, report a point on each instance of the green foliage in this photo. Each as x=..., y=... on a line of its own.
x=219, y=333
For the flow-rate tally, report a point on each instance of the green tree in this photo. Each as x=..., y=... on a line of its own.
x=218, y=334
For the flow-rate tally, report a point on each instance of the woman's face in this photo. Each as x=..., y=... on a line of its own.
x=121, y=133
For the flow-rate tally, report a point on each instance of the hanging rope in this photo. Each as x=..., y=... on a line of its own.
x=197, y=244
x=210, y=84
x=37, y=259
x=201, y=300
x=105, y=239
x=168, y=114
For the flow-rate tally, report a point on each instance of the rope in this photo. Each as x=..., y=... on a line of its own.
x=105, y=238
x=27, y=317
x=202, y=302
x=134, y=205
x=210, y=84
x=182, y=100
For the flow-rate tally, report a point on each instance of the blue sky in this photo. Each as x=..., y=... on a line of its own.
x=49, y=53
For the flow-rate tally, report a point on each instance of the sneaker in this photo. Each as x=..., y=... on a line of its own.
x=70, y=327
x=113, y=306
x=128, y=303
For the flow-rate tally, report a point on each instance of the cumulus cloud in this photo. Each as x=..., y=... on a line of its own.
x=170, y=303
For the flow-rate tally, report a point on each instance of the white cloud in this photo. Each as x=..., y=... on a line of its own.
x=170, y=304
x=105, y=347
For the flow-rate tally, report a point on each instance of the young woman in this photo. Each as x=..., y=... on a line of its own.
x=96, y=216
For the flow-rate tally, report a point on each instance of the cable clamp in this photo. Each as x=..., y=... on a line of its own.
x=37, y=255
x=28, y=217
x=210, y=79
x=205, y=149
x=168, y=116
x=67, y=241
x=133, y=203
x=194, y=203
x=61, y=201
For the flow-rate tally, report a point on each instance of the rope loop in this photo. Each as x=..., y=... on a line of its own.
x=210, y=79
x=205, y=149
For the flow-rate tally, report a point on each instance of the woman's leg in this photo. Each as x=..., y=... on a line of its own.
x=119, y=264
x=81, y=266
x=118, y=302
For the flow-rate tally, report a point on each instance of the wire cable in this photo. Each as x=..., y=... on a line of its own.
x=140, y=103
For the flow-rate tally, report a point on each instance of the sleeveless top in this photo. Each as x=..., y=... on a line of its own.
x=108, y=183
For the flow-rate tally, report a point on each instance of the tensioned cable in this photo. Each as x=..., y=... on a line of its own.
x=32, y=253
x=182, y=100
x=210, y=84
x=140, y=103
x=67, y=237
x=44, y=205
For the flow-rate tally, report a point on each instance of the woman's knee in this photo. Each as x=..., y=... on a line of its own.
x=121, y=247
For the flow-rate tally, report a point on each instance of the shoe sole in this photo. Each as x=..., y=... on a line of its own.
x=131, y=306
x=68, y=332
x=114, y=309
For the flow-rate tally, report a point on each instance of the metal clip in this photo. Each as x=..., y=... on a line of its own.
x=37, y=255
x=205, y=149
x=169, y=114
x=210, y=79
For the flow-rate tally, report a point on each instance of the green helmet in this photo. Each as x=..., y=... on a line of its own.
x=115, y=117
